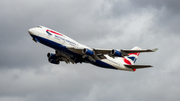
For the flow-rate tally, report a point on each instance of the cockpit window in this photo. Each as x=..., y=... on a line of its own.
x=39, y=26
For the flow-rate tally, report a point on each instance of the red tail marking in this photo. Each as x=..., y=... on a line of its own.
x=134, y=54
x=127, y=61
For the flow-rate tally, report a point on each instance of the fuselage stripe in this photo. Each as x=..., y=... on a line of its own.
x=53, y=32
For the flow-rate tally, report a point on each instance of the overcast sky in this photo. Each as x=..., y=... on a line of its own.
x=26, y=74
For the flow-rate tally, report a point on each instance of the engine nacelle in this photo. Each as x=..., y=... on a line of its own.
x=116, y=53
x=88, y=52
x=52, y=58
x=53, y=61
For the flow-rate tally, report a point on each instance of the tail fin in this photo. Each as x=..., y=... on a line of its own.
x=131, y=59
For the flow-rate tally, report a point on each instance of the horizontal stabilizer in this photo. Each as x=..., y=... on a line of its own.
x=138, y=66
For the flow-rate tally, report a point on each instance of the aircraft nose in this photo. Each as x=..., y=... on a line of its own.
x=31, y=31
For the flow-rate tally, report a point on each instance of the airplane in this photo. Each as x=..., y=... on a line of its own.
x=70, y=51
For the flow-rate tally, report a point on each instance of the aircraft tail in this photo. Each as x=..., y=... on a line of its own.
x=132, y=57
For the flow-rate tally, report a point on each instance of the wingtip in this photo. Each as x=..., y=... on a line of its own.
x=155, y=49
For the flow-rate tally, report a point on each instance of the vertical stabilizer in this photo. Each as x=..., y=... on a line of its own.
x=131, y=59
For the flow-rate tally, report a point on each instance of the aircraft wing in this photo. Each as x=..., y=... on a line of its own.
x=107, y=51
x=124, y=52
x=98, y=51
x=139, y=51
x=96, y=56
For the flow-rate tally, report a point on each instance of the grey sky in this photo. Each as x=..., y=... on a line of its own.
x=26, y=74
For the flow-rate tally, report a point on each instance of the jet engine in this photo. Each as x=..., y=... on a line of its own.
x=52, y=58
x=116, y=53
x=88, y=52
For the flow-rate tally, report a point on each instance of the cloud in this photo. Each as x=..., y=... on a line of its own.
x=26, y=75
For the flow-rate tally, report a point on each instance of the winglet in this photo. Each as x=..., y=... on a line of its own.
x=155, y=49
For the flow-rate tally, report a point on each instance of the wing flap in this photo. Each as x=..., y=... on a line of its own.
x=138, y=66
x=76, y=50
x=102, y=51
